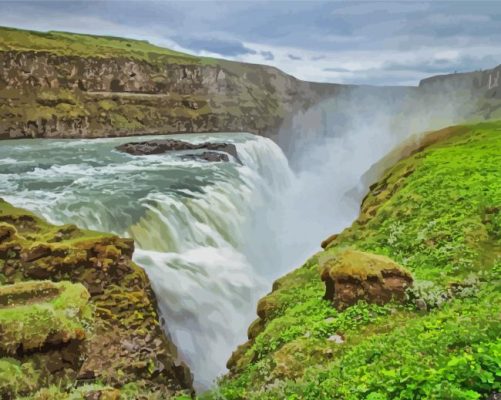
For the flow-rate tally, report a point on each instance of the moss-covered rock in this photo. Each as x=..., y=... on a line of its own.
x=352, y=275
x=38, y=314
x=45, y=325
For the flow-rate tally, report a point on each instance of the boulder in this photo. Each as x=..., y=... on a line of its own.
x=352, y=275
x=171, y=145
x=210, y=156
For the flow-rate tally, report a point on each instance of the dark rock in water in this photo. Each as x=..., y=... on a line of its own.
x=353, y=275
x=212, y=150
x=211, y=156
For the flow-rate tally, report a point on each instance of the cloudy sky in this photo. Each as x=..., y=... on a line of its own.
x=396, y=43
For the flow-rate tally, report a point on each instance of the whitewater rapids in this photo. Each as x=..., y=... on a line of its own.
x=201, y=229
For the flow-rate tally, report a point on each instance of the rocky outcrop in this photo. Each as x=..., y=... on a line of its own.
x=121, y=343
x=50, y=93
x=211, y=151
x=351, y=276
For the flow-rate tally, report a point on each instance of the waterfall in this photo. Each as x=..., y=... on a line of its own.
x=199, y=227
x=203, y=256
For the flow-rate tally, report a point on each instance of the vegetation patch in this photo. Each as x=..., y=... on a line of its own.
x=436, y=214
x=34, y=314
x=72, y=44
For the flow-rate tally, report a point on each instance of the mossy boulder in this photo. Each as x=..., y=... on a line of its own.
x=352, y=275
x=38, y=314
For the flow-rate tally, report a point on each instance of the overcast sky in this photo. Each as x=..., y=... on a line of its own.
x=396, y=43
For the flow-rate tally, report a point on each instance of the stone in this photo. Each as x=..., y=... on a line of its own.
x=325, y=243
x=336, y=339
x=352, y=275
x=210, y=156
x=212, y=151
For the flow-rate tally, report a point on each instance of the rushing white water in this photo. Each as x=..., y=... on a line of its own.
x=194, y=224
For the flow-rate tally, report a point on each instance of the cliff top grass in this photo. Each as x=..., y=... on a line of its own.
x=25, y=227
x=83, y=45
x=34, y=314
x=437, y=212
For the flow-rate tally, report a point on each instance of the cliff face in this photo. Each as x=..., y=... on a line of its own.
x=481, y=88
x=47, y=92
x=58, y=84
x=96, y=328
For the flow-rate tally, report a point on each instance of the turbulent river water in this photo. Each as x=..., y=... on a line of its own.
x=204, y=231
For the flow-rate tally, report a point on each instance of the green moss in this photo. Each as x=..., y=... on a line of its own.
x=33, y=314
x=357, y=264
x=107, y=105
x=436, y=213
x=16, y=377
x=120, y=121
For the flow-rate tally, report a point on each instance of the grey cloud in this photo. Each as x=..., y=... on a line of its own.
x=267, y=55
x=337, y=69
x=230, y=48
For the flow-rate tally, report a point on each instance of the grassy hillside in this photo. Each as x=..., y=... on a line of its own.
x=437, y=213
x=73, y=44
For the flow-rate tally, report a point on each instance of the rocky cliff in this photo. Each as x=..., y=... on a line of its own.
x=59, y=84
x=76, y=314
x=65, y=85
x=480, y=88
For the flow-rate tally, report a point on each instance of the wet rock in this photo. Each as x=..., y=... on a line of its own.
x=210, y=156
x=352, y=275
x=212, y=151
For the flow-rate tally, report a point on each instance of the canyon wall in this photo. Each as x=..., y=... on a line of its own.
x=49, y=92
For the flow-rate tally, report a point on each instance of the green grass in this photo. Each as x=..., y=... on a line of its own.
x=436, y=213
x=72, y=44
